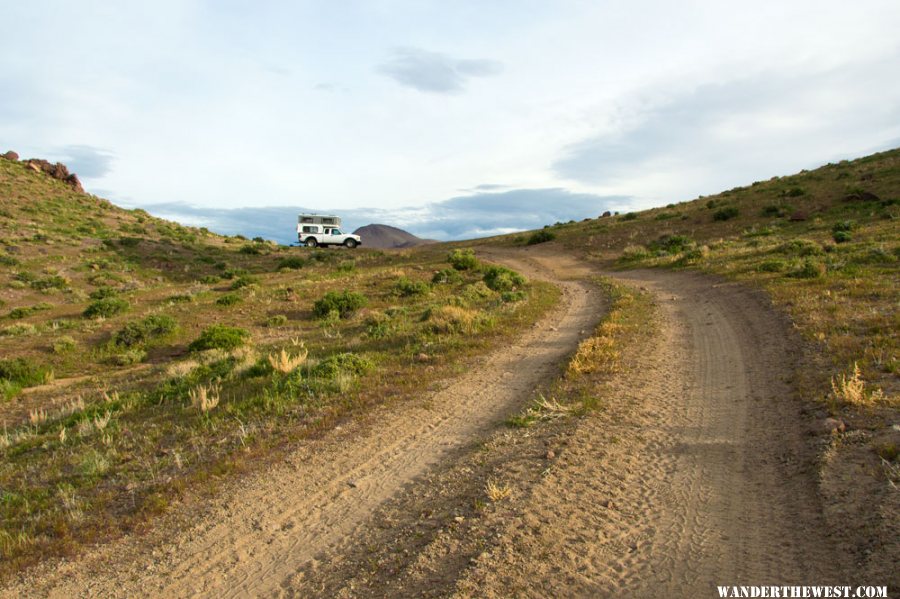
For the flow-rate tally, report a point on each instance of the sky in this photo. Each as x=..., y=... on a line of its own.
x=449, y=119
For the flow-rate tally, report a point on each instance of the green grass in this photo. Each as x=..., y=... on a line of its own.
x=64, y=470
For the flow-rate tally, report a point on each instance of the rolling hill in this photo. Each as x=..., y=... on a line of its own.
x=387, y=237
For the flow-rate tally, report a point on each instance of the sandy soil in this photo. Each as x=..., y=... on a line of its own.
x=695, y=473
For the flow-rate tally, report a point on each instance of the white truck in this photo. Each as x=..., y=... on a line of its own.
x=323, y=230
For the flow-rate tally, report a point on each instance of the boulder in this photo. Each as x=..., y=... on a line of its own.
x=861, y=196
x=799, y=215
x=57, y=171
x=10, y=156
x=833, y=426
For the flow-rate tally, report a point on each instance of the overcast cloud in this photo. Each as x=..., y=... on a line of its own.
x=389, y=109
x=434, y=72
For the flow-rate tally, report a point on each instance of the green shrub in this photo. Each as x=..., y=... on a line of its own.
x=629, y=216
x=106, y=307
x=18, y=330
x=500, y=278
x=773, y=210
x=25, y=311
x=513, y=296
x=6, y=260
x=477, y=291
x=292, y=262
x=665, y=216
x=541, y=236
x=134, y=355
x=726, y=213
x=794, y=192
x=672, y=244
x=343, y=302
x=147, y=329
x=21, y=372
x=210, y=279
x=64, y=345
x=277, y=320
x=129, y=242
x=346, y=266
x=243, y=281
x=463, y=259
x=229, y=299
x=772, y=265
x=348, y=363
x=406, y=287
x=446, y=276
x=180, y=298
x=846, y=225
x=802, y=248
x=810, y=269
x=231, y=273
x=842, y=236
x=104, y=292
x=220, y=336
x=634, y=252
x=251, y=250
x=378, y=325
x=51, y=282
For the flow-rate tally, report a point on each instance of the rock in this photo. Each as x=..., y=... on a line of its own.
x=10, y=156
x=861, y=196
x=459, y=519
x=606, y=214
x=550, y=454
x=57, y=171
x=833, y=426
x=799, y=215
x=422, y=357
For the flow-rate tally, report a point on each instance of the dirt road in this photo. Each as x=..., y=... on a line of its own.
x=304, y=512
x=696, y=474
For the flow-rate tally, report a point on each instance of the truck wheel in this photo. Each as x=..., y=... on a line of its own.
x=350, y=243
x=311, y=242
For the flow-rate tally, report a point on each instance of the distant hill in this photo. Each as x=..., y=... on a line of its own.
x=385, y=237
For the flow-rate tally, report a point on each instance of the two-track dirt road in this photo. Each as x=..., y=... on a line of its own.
x=706, y=480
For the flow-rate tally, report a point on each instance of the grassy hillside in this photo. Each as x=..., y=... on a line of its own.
x=142, y=361
x=825, y=246
x=824, y=243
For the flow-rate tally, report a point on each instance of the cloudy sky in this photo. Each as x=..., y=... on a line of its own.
x=450, y=119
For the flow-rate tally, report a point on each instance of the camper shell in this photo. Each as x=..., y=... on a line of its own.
x=323, y=230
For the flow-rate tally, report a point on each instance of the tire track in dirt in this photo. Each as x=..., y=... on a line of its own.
x=301, y=513
x=697, y=474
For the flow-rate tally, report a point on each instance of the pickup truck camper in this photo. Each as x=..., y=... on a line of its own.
x=323, y=230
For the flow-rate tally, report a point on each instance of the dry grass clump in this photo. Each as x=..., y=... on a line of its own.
x=204, y=398
x=453, y=319
x=497, y=491
x=852, y=389
x=285, y=362
x=594, y=353
x=37, y=416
